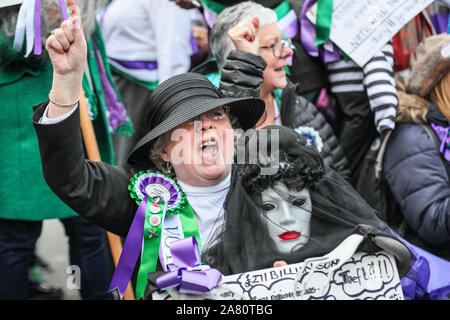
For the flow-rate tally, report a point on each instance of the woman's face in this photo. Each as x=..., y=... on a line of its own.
x=274, y=74
x=201, y=152
x=287, y=213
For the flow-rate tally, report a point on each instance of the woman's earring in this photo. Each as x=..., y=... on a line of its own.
x=168, y=167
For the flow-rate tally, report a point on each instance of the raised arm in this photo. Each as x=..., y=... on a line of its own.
x=243, y=71
x=94, y=190
x=67, y=49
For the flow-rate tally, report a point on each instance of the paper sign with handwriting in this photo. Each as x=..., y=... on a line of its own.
x=363, y=277
x=361, y=28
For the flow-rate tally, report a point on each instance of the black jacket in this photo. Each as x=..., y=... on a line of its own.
x=418, y=177
x=94, y=190
x=243, y=73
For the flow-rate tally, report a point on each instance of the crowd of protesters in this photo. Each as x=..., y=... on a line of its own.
x=168, y=89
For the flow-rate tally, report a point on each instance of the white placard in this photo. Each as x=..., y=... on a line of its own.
x=7, y=3
x=361, y=28
x=364, y=277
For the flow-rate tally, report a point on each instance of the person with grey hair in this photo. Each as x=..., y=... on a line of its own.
x=252, y=55
x=221, y=44
x=303, y=68
x=26, y=200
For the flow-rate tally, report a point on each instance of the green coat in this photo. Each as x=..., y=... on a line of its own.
x=24, y=194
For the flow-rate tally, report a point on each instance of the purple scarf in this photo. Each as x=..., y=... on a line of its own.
x=117, y=114
x=444, y=135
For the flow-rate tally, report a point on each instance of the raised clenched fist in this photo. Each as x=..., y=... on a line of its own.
x=66, y=45
x=245, y=35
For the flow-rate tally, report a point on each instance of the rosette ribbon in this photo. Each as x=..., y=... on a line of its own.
x=323, y=21
x=287, y=22
x=287, y=19
x=187, y=274
x=150, y=188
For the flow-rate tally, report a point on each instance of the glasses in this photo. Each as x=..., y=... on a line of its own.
x=216, y=114
x=278, y=47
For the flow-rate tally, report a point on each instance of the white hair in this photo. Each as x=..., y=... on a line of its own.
x=220, y=42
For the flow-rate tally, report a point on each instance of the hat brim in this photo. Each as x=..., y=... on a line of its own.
x=247, y=110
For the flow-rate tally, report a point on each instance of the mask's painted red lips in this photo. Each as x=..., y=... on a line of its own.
x=290, y=235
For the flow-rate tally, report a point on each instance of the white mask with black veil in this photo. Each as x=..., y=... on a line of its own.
x=324, y=208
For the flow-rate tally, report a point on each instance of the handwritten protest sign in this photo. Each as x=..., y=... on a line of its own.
x=364, y=277
x=361, y=28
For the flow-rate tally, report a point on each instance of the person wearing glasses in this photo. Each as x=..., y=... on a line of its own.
x=252, y=55
x=183, y=163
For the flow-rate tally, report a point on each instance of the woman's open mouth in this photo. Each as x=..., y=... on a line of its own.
x=210, y=151
x=290, y=235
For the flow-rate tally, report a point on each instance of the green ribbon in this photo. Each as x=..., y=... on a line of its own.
x=149, y=257
x=189, y=224
x=344, y=56
x=151, y=245
x=282, y=9
x=323, y=21
x=214, y=6
x=150, y=254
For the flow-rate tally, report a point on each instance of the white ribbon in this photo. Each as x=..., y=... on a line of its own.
x=287, y=20
x=30, y=27
x=171, y=230
x=20, y=26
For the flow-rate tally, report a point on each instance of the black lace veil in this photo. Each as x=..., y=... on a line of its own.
x=337, y=209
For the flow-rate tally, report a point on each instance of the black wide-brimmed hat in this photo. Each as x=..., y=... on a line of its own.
x=183, y=97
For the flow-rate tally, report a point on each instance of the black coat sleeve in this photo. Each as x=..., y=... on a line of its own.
x=242, y=74
x=94, y=190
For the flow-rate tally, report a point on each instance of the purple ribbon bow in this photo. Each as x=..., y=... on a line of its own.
x=444, y=135
x=186, y=273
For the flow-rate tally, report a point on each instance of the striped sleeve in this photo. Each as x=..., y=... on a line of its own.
x=380, y=85
x=376, y=78
x=345, y=76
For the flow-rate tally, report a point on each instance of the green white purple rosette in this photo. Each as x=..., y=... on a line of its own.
x=151, y=190
x=312, y=135
x=153, y=184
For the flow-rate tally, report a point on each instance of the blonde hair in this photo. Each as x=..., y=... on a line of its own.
x=441, y=96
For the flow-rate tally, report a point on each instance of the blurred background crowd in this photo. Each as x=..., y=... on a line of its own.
x=384, y=126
